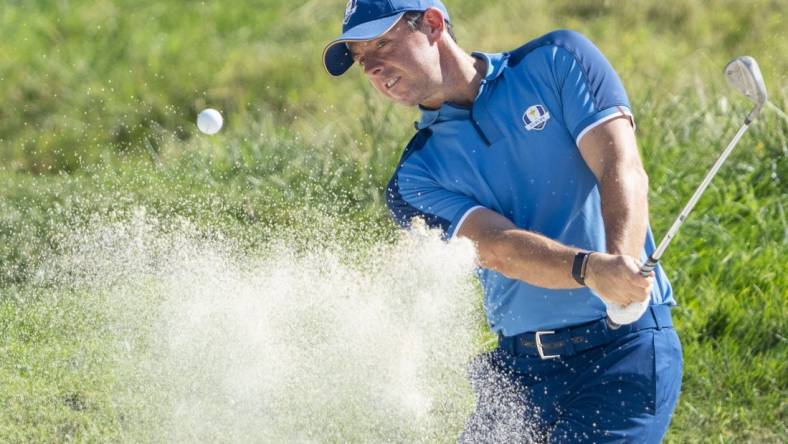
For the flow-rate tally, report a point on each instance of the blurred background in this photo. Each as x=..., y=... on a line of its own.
x=99, y=100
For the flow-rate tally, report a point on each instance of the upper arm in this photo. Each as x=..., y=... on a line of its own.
x=594, y=103
x=611, y=147
x=414, y=193
x=589, y=89
x=483, y=224
x=486, y=228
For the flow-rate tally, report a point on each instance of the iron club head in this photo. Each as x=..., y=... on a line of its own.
x=745, y=75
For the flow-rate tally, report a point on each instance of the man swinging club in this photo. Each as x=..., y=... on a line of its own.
x=531, y=154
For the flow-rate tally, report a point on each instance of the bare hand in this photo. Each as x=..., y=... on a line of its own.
x=617, y=278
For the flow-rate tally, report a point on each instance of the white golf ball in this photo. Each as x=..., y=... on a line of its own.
x=209, y=121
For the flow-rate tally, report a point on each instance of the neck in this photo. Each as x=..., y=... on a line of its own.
x=463, y=74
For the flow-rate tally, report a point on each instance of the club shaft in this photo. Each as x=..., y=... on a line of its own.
x=663, y=245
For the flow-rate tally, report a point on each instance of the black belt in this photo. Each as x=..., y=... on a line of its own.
x=572, y=340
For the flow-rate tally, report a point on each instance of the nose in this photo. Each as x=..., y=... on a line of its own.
x=372, y=67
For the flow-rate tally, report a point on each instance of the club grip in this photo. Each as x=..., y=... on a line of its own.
x=648, y=267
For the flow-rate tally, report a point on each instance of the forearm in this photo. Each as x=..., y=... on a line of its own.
x=543, y=262
x=624, y=193
x=530, y=257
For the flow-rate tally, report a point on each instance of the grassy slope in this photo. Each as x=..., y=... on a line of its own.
x=107, y=89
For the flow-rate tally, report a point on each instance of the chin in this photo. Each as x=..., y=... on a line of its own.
x=406, y=102
x=398, y=100
x=403, y=100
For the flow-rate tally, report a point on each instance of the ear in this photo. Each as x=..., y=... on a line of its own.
x=433, y=21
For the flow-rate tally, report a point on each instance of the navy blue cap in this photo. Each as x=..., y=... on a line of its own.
x=368, y=20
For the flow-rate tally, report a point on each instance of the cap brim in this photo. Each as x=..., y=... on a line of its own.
x=336, y=55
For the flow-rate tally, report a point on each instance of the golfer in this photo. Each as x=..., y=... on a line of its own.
x=531, y=154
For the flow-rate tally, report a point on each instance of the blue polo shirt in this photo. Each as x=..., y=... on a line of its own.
x=515, y=152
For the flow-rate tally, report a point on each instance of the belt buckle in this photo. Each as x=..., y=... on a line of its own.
x=538, y=339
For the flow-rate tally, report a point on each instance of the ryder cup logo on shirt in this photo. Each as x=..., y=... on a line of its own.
x=349, y=10
x=535, y=118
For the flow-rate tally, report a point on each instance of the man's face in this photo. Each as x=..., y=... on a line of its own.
x=402, y=64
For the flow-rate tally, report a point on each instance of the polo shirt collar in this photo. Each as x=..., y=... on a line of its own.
x=447, y=111
x=451, y=111
x=495, y=65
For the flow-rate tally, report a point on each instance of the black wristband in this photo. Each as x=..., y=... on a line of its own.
x=579, y=267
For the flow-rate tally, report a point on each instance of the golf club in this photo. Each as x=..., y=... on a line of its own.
x=743, y=73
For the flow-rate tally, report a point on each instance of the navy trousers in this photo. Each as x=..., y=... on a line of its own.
x=621, y=391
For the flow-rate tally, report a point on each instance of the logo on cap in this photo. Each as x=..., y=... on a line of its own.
x=349, y=10
x=535, y=118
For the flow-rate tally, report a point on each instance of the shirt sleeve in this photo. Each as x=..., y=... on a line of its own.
x=412, y=193
x=590, y=90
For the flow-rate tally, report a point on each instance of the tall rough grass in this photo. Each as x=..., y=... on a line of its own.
x=99, y=100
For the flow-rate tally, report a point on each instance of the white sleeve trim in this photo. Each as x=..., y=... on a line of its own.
x=462, y=219
x=621, y=112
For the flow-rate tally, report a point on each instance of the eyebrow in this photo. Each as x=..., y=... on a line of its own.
x=366, y=42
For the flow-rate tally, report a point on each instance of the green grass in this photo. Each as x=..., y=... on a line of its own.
x=99, y=103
